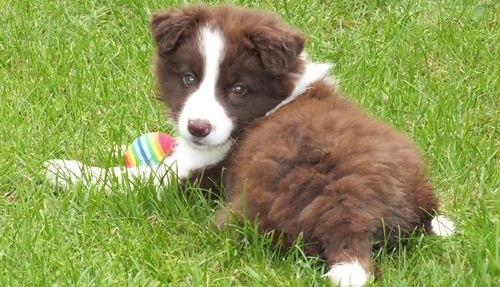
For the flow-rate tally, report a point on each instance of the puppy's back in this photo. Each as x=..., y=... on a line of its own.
x=319, y=162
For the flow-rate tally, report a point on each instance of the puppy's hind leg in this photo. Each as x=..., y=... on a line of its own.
x=231, y=212
x=349, y=257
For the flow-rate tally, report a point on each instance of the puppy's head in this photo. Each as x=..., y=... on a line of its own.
x=218, y=69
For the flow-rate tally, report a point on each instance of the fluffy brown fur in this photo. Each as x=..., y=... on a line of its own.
x=321, y=167
x=317, y=166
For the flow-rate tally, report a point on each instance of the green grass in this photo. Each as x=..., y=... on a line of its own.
x=75, y=79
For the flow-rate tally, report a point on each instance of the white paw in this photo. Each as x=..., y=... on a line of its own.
x=346, y=274
x=63, y=173
x=442, y=226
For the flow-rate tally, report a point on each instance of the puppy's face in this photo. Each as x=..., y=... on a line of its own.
x=219, y=69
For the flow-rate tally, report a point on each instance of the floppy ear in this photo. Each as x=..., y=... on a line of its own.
x=169, y=27
x=278, y=47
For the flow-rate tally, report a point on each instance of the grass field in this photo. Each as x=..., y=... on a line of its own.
x=75, y=79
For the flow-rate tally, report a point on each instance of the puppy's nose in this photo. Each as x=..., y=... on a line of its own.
x=199, y=128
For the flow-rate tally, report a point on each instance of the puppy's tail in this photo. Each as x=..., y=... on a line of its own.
x=442, y=226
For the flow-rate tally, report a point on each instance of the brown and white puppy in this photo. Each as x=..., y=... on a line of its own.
x=345, y=181
x=217, y=71
x=243, y=96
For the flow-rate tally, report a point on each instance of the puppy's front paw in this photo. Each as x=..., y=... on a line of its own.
x=63, y=173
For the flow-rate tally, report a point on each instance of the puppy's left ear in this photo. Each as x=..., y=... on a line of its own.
x=278, y=47
x=171, y=26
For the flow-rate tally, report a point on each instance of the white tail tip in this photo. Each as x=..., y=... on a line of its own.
x=442, y=226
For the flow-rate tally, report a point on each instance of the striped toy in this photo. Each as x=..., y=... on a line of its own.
x=149, y=149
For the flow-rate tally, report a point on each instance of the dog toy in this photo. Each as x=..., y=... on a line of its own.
x=149, y=149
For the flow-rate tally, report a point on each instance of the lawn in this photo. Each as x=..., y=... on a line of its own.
x=75, y=79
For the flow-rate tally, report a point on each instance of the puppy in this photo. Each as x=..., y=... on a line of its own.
x=297, y=155
x=321, y=168
x=217, y=70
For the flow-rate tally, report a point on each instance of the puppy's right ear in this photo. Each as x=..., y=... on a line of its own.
x=171, y=26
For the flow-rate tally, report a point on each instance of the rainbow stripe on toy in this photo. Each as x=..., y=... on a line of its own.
x=149, y=149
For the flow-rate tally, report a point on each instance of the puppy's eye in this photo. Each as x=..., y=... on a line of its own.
x=188, y=79
x=239, y=89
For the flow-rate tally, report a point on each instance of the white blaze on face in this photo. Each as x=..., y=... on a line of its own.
x=202, y=104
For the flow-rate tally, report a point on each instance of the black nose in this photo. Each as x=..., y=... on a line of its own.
x=199, y=128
